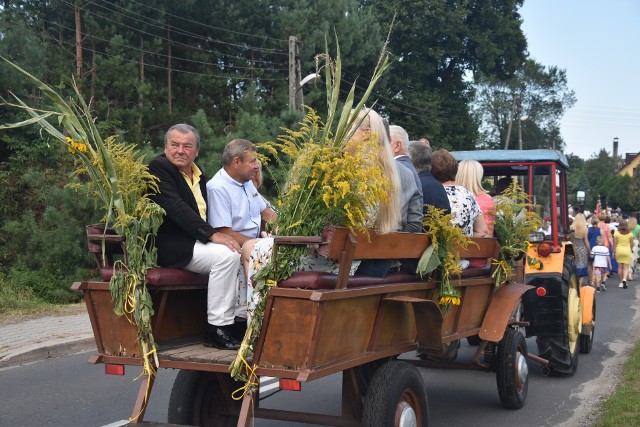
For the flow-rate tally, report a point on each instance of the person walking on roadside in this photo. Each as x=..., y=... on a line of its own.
x=634, y=227
x=601, y=263
x=579, y=233
x=592, y=236
x=622, y=246
x=605, y=230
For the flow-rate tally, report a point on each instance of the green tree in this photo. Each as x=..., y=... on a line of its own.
x=537, y=93
x=438, y=44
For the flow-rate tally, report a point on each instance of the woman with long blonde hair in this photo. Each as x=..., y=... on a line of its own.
x=369, y=124
x=469, y=175
x=581, y=247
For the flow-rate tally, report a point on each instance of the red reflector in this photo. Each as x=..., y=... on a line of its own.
x=291, y=385
x=114, y=369
x=541, y=291
x=544, y=249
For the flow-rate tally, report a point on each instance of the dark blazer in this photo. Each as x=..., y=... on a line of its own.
x=433, y=192
x=182, y=224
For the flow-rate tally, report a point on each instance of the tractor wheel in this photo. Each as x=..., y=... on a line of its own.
x=562, y=350
x=586, y=340
x=396, y=397
x=512, y=371
x=201, y=398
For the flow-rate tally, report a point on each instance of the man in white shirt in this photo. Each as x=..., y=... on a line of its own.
x=236, y=207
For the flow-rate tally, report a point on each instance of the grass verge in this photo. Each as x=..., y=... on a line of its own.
x=20, y=303
x=622, y=408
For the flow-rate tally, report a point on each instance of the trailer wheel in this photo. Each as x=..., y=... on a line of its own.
x=562, y=350
x=512, y=372
x=203, y=399
x=473, y=340
x=586, y=340
x=396, y=397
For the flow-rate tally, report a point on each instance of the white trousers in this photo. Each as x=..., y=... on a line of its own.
x=222, y=265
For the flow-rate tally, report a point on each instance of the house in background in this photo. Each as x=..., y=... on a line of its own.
x=631, y=162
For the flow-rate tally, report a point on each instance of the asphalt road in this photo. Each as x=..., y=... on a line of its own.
x=68, y=392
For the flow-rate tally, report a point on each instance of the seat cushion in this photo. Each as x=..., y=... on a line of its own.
x=160, y=277
x=323, y=280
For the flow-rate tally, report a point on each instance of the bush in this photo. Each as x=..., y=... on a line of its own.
x=14, y=297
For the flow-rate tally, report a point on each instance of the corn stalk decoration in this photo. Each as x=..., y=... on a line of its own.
x=119, y=182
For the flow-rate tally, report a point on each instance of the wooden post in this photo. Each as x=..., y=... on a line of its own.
x=78, y=47
x=293, y=84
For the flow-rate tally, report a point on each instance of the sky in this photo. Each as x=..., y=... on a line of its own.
x=598, y=44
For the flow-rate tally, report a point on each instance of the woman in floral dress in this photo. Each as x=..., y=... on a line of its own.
x=466, y=211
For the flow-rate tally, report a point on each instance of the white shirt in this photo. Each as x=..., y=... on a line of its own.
x=600, y=254
x=234, y=205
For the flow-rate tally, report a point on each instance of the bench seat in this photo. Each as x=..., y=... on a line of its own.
x=162, y=277
x=316, y=280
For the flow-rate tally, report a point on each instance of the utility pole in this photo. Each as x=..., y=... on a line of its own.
x=78, y=47
x=295, y=94
x=514, y=102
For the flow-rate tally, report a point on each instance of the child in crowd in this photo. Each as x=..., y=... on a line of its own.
x=601, y=263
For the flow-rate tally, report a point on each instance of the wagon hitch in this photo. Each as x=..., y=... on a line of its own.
x=544, y=364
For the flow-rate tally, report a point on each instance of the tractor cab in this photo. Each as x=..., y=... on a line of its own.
x=542, y=174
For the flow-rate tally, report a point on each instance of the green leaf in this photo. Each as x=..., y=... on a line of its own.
x=428, y=262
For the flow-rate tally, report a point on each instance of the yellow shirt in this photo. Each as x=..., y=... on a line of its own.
x=195, y=189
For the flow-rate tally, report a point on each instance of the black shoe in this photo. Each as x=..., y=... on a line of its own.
x=239, y=328
x=220, y=337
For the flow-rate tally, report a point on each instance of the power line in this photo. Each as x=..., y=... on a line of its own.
x=134, y=61
x=173, y=57
x=213, y=27
x=155, y=36
x=161, y=25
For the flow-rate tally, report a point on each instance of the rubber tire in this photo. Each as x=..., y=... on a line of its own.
x=473, y=340
x=395, y=386
x=191, y=392
x=556, y=349
x=586, y=341
x=512, y=350
x=365, y=373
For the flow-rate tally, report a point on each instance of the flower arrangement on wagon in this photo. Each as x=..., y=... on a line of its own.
x=441, y=254
x=325, y=185
x=116, y=178
x=514, y=221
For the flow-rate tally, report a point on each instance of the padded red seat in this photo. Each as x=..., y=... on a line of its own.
x=160, y=277
x=324, y=280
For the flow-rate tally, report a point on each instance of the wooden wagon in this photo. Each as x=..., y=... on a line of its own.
x=317, y=324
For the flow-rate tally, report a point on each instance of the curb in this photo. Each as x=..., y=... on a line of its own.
x=49, y=352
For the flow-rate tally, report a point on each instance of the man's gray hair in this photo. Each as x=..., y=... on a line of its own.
x=397, y=132
x=420, y=155
x=237, y=148
x=183, y=128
